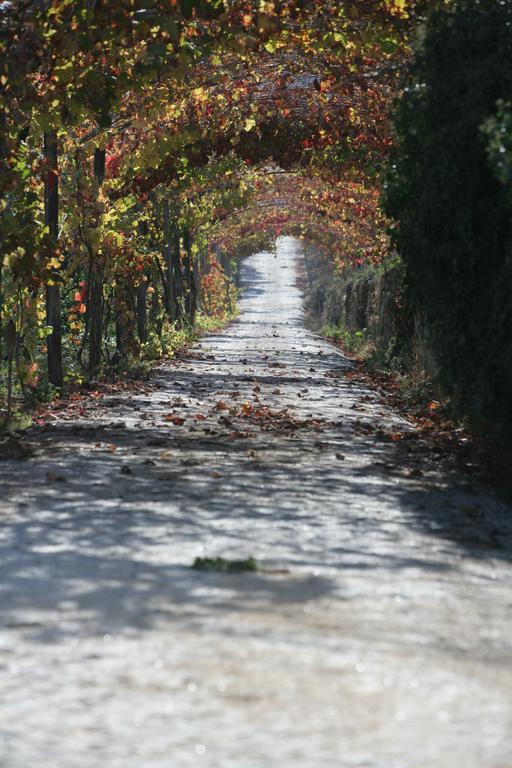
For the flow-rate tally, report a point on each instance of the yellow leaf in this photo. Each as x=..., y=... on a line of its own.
x=200, y=94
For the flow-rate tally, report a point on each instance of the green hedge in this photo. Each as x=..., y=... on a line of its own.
x=449, y=188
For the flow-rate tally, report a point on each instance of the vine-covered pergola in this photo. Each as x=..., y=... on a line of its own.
x=144, y=145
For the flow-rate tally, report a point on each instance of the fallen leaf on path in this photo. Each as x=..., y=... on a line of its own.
x=363, y=427
x=279, y=421
x=177, y=420
x=52, y=477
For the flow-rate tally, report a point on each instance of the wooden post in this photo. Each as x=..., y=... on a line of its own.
x=51, y=209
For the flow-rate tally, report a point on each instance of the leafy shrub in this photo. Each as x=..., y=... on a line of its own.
x=449, y=187
x=351, y=341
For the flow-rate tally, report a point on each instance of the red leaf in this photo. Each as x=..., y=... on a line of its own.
x=177, y=420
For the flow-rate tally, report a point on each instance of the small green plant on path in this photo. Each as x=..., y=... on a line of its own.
x=222, y=565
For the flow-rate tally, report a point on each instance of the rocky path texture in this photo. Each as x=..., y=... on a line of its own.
x=377, y=631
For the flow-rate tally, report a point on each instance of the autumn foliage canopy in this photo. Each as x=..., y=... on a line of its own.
x=146, y=145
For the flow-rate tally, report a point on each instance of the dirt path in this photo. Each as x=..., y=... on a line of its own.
x=378, y=632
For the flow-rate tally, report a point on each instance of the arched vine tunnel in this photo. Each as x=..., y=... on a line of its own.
x=254, y=365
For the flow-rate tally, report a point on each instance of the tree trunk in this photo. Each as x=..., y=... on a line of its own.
x=202, y=259
x=154, y=313
x=121, y=345
x=141, y=294
x=196, y=284
x=10, y=343
x=1, y=309
x=51, y=209
x=190, y=278
x=178, y=289
x=142, y=324
x=173, y=275
x=125, y=317
x=3, y=157
x=95, y=307
x=95, y=304
x=229, y=274
x=166, y=255
x=186, y=271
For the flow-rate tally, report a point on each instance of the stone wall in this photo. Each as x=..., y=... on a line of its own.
x=370, y=301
